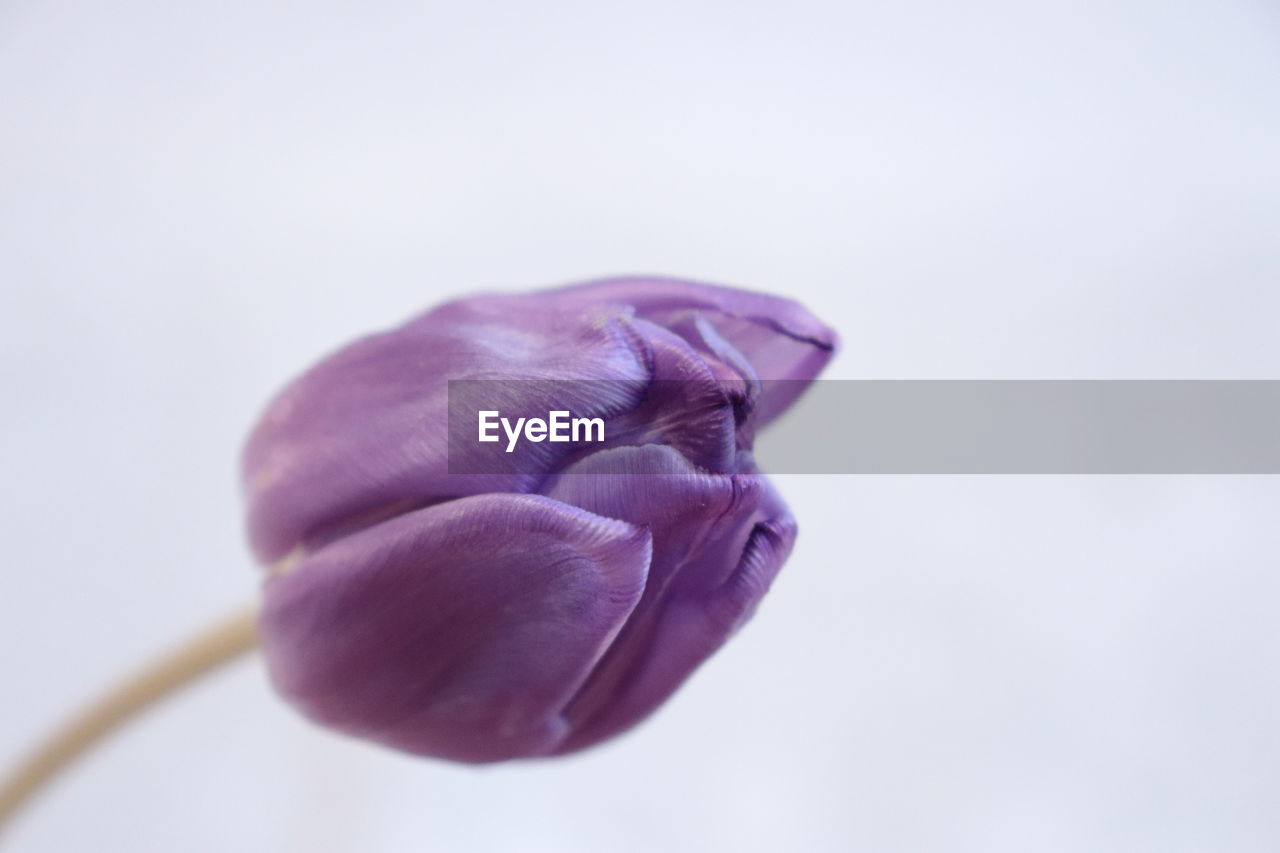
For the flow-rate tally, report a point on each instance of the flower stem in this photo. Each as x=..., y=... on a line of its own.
x=219, y=644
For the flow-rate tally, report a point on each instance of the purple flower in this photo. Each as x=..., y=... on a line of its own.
x=537, y=611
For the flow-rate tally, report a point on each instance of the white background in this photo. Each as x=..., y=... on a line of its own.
x=197, y=200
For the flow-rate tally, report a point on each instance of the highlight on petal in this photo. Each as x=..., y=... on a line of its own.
x=462, y=630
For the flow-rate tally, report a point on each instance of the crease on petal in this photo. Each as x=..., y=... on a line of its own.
x=683, y=406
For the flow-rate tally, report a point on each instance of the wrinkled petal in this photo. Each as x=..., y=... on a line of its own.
x=363, y=435
x=460, y=631
x=718, y=542
x=685, y=406
x=784, y=344
x=656, y=296
x=686, y=630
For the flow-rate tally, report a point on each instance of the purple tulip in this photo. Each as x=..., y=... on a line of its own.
x=538, y=611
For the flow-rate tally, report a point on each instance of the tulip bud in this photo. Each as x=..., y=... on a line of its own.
x=542, y=608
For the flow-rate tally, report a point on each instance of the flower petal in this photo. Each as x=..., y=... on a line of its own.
x=718, y=542
x=684, y=405
x=363, y=435
x=786, y=346
x=686, y=630
x=657, y=296
x=461, y=630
